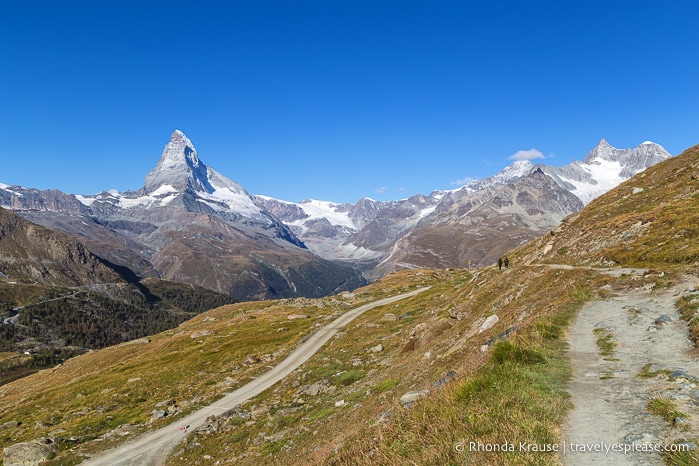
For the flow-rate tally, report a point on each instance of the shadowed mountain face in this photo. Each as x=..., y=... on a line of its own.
x=57, y=298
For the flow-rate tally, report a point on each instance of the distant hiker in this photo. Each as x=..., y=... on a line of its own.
x=500, y=264
x=507, y=263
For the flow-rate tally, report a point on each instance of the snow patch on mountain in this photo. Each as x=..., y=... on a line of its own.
x=331, y=211
x=86, y=200
x=7, y=188
x=605, y=175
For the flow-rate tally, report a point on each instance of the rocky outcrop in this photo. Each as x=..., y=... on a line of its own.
x=30, y=453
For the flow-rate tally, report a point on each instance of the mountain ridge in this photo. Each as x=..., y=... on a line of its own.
x=147, y=229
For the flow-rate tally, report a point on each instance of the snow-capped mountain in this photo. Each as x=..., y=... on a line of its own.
x=189, y=223
x=604, y=168
x=372, y=229
x=357, y=232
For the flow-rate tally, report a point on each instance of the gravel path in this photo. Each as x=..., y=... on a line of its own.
x=610, y=398
x=154, y=447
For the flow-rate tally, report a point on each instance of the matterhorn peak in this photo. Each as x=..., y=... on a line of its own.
x=179, y=167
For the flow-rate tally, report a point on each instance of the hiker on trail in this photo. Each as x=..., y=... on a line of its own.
x=500, y=264
x=507, y=263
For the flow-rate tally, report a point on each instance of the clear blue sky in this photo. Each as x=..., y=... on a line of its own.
x=337, y=100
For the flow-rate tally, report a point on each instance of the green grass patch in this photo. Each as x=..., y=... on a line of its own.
x=349, y=377
x=238, y=436
x=605, y=341
x=665, y=408
x=385, y=386
x=684, y=456
x=321, y=413
x=646, y=373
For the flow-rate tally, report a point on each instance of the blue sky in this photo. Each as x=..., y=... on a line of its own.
x=337, y=100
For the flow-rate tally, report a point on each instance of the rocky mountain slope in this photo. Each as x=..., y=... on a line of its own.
x=473, y=224
x=189, y=223
x=479, y=357
x=59, y=299
x=192, y=224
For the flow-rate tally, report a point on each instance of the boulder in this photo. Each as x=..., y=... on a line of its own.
x=410, y=397
x=30, y=453
x=489, y=323
x=376, y=349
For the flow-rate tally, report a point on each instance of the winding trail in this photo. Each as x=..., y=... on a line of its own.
x=153, y=448
x=609, y=396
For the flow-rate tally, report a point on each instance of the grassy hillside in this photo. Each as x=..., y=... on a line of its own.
x=648, y=221
x=477, y=383
x=306, y=416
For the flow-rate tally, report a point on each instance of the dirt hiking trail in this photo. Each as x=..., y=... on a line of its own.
x=610, y=398
x=152, y=448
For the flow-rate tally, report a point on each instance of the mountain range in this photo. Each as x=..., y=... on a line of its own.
x=192, y=224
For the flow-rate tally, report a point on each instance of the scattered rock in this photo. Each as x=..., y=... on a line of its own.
x=340, y=403
x=457, y=315
x=444, y=380
x=410, y=397
x=489, y=323
x=502, y=335
x=418, y=328
x=389, y=317
x=297, y=316
x=10, y=425
x=163, y=404
x=316, y=388
x=250, y=360
x=376, y=349
x=683, y=375
x=29, y=453
x=210, y=426
x=636, y=190
x=255, y=413
x=385, y=417
x=664, y=319
x=201, y=333
x=158, y=414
